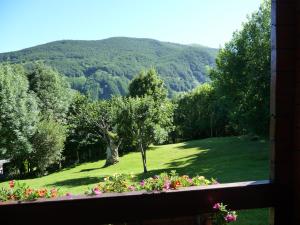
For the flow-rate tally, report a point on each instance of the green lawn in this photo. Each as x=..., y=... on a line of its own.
x=227, y=159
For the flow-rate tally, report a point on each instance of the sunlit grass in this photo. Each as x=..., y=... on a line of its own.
x=229, y=159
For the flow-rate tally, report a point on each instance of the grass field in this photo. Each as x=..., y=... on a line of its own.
x=229, y=159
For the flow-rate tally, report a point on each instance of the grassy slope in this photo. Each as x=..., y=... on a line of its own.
x=227, y=159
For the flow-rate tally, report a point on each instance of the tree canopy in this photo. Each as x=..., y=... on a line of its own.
x=145, y=123
x=28, y=103
x=19, y=114
x=242, y=73
x=52, y=91
x=147, y=83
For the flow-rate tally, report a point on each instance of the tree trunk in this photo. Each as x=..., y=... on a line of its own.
x=112, y=153
x=22, y=169
x=90, y=154
x=28, y=167
x=77, y=155
x=211, y=125
x=144, y=158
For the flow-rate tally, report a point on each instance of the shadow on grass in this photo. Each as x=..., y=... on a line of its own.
x=227, y=160
x=188, y=165
x=77, y=181
x=90, y=169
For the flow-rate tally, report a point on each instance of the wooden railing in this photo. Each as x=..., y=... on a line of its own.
x=138, y=206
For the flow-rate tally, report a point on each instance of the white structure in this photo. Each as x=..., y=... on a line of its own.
x=3, y=161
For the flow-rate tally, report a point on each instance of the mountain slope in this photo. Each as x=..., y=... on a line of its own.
x=105, y=67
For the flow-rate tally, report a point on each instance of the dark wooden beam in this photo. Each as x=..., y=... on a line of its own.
x=285, y=136
x=135, y=206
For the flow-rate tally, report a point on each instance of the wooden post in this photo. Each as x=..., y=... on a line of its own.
x=285, y=111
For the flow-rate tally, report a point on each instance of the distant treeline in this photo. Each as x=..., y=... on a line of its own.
x=102, y=69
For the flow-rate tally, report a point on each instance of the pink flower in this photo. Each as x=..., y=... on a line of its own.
x=142, y=183
x=230, y=218
x=131, y=188
x=96, y=191
x=167, y=185
x=217, y=206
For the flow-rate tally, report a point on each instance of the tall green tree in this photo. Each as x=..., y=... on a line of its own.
x=48, y=144
x=54, y=96
x=83, y=140
x=145, y=123
x=101, y=118
x=52, y=90
x=147, y=113
x=199, y=114
x=80, y=134
x=148, y=83
x=19, y=115
x=242, y=73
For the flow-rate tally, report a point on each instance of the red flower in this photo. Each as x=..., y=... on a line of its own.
x=28, y=192
x=42, y=192
x=12, y=183
x=175, y=184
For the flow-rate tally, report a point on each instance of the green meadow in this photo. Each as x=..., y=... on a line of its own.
x=229, y=159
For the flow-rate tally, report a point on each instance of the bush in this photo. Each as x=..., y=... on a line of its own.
x=48, y=143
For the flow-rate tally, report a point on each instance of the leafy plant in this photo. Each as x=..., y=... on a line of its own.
x=162, y=182
x=173, y=181
x=22, y=192
x=223, y=215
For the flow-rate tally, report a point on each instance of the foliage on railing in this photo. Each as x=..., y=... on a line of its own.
x=22, y=192
x=124, y=183
x=223, y=215
x=162, y=182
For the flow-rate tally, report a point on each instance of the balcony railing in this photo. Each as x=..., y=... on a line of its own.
x=139, y=206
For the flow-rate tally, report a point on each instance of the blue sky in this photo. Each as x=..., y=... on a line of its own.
x=26, y=23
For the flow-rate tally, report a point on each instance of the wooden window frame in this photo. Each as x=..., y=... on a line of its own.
x=281, y=192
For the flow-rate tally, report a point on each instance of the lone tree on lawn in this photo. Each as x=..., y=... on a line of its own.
x=147, y=115
x=145, y=123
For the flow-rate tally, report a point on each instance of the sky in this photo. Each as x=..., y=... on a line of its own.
x=26, y=23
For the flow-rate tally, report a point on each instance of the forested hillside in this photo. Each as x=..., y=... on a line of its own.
x=103, y=68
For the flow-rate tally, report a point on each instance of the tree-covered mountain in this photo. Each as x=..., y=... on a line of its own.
x=103, y=68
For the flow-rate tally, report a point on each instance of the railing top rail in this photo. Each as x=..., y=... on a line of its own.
x=143, y=205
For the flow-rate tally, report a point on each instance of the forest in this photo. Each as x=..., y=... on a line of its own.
x=47, y=125
x=102, y=69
